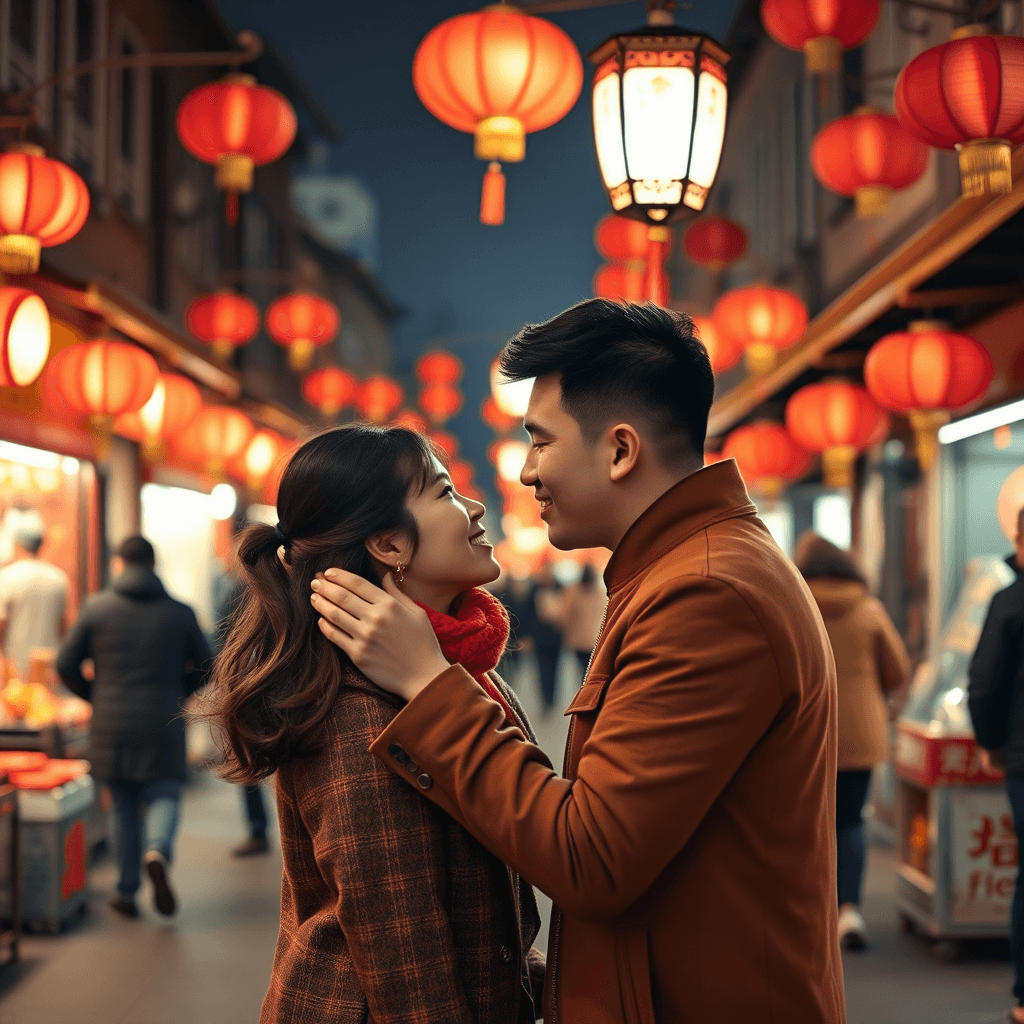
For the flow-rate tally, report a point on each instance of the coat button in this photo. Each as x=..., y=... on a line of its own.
x=398, y=753
x=413, y=767
x=425, y=781
x=506, y=954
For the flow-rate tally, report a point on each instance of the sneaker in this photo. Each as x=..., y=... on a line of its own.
x=125, y=906
x=163, y=897
x=853, y=931
x=251, y=847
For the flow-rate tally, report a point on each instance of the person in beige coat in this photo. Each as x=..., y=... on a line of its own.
x=871, y=664
x=580, y=616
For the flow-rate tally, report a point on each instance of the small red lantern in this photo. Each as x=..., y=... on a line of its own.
x=641, y=249
x=378, y=398
x=821, y=30
x=236, y=125
x=761, y=320
x=869, y=156
x=216, y=436
x=767, y=456
x=497, y=420
x=620, y=282
x=330, y=390
x=300, y=322
x=924, y=372
x=715, y=243
x=723, y=351
x=967, y=94
x=498, y=74
x=448, y=443
x=25, y=338
x=43, y=202
x=838, y=419
x=439, y=368
x=223, y=320
x=440, y=402
x=411, y=421
x=259, y=457
x=174, y=404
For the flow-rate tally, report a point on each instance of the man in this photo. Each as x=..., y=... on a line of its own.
x=690, y=848
x=996, y=682
x=149, y=655
x=33, y=599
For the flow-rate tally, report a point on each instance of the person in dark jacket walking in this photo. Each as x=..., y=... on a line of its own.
x=996, y=677
x=149, y=655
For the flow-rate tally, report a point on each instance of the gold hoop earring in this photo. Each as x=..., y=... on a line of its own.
x=400, y=574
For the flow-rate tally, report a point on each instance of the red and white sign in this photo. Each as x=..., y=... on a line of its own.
x=939, y=760
x=984, y=857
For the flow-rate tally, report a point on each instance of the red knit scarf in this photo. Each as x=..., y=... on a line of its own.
x=475, y=637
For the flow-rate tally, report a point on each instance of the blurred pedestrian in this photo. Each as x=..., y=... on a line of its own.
x=149, y=656
x=541, y=615
x=390, y=910
x=995, y=689
x=510, y=593
x=583, y=608
x=872, y=665
x=33, y=599
x=228, y=593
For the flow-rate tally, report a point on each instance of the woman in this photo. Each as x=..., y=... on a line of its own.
x=389, y=908
x=871, y=664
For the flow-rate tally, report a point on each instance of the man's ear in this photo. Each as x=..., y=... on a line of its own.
x=624, y=451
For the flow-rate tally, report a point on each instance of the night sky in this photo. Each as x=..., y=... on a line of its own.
x=461, y=285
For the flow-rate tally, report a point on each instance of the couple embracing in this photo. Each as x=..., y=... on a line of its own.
x=688, y=844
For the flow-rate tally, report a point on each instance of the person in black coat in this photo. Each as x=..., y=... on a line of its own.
x=149, y=655
x=996, y=683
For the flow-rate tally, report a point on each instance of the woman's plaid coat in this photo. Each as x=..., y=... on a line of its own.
x=391, y=912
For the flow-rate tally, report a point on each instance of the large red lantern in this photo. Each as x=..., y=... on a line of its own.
x=223, y=320
x=174, y=404
x=767, y=456
x=821, y=29
x=968, y=94
x=440, y=402
x=43, y=202
x=723, y=351
x=867, y=156
x=102, y=379
x=924, y=372
x=497, y=74
x=439, y=368
x=379, y=397
x=25, y=337
x=216, y=436
x=330, y=390
x=236, y=125
x=258, y=458
x=641, y=249
x=838, y=419
x=715, y=243
x=762, y=321
x=300, y=322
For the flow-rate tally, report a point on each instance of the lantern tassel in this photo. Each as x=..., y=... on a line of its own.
x=492, y=197
x=232, y=208
x=654, y=282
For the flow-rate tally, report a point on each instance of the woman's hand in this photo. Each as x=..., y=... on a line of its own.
x=388, y=637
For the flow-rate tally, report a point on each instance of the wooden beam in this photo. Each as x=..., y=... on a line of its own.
x=946, y=297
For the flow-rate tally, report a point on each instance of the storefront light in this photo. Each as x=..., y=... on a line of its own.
x=70, y=466
x=983, y=421
x=223, y=501
x=30, y=456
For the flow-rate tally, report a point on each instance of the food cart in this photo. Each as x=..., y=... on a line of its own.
x=955, y=844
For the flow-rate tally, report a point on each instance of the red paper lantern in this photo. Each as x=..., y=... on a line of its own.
x=440, y=402
x=411, y=421
x=497, y=420
x=821, y=30
x=25, y=337
x=258, y=458
x=723, y=351
x=498, y=74
x=924, y=372
x=236, y=125
x=767, y=456
x=43, y=202
x=330, y=390
x=620, y=282
x=448, y=443
x=174, y=404
x=641, y=249
x=838, y=419
x=968, y=94
x=715, y=243
x=620, y=239
x=462, y=479
x=378, y=398
x=223, y=320
x=439, y=368
x=216, y=436
x=102, y=379
x=300, y=322
x=761, y=320
x=869, y=156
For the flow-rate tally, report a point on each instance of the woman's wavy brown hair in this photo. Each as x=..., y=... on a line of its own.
x=277, y=676
x=817, y=558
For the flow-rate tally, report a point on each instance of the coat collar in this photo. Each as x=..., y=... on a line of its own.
x=708, y=496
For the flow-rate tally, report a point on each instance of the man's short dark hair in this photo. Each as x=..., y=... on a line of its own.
x=136, y=551
x=619, y=361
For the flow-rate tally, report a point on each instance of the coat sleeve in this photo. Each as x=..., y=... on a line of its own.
x=74, y=649
x=381, y=850
x=695, y=688
x=891, y=652
x=198, y=656
x=993, y=671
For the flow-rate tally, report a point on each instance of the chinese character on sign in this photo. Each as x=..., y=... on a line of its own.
x=1000, y=846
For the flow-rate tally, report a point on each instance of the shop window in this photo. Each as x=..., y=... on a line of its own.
x=23, y=26
x=832, y=519
x=85, y=50
x=83, y=112
x=28, y=42
x=130, y=153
